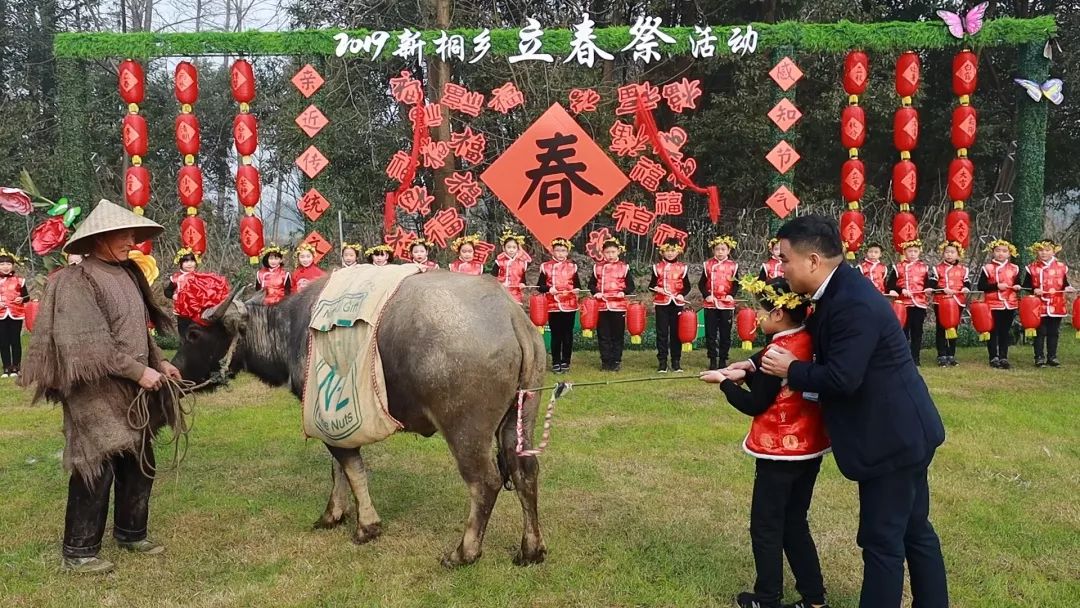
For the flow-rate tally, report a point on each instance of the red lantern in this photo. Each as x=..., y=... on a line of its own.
x=746, y=325
x=905, y=182
x=193, y=234
x=146, y=247
x=137, y=186
x=852, y=224
x=852, y=180
x=981, y=319
x=1075, y=317
x=186, y=83
x=965, y=73
x=905, y=228
x=189, y=183
x=635, y=321
x=906, y=129
x=133, y=135
x=948, y=317
x=958, y=227
x=687, y=329
x=900, y=311
x=30, y=312
x=132, y=82
x=856, y=72
x=961, y=179
x=248, y=187
x=538, y=312
x=965, y=121
x=245, y=134
x=188, y=135
x=1030, y=314
x=590, y=315
x=908, y=71
x=852, y=127
x=251, y=237
x=242, y=81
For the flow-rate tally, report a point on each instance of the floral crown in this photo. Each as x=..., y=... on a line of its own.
x=184, y=252
x=613, y=242
x=388, y=250
x=421, y=241
x=357, y=247
x=308, y=247
x=773, y=241
x=14, y=258
x=508, y=234
x=561, y=242
x=767, y=293
x=468, y=239
x=994, y=244
x=726, y=240
x=1038, y=246
x=911, y=243
x=667, y=246
x=273, y=249
x=959, y=247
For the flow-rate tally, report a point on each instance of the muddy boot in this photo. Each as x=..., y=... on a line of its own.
x=86, y=565
x=144, y=546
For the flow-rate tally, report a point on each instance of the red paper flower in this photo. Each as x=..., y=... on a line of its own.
x=15, y=201
x=49, y=235
x=203, y=291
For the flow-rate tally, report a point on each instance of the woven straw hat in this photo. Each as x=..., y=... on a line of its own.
x=110, y=217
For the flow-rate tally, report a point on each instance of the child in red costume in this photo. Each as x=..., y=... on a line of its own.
x=465, y=247
x=951, y=280
x=772, y=268
x=787, y=436
x=188, y=261
x=510, y=265
x=13, y=298
x=350, y=254
x=999, y=281
x=420, y=251
x=306, y=271
x=718, y=285
x=669, y=285
x=907, y=282
x=611, y=282
x=1048, y=278
x=379, y=255
x=559, y=280
x=272, y=279
x=873, y=268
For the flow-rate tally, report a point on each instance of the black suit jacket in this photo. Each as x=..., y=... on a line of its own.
x=876, y=407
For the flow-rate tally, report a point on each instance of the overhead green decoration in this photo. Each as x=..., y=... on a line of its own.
x=800, y=37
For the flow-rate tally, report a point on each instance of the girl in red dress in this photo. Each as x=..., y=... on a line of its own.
x=306, y=272
x=272, y=279
x=13, y=298
x=510, y=265
x=420, y=251
x=350, y=254
x=465, y=247
x=188, y=261
x=379, y=255
x=559, y=280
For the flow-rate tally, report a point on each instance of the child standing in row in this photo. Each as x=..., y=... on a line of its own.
x=787, y=437
x=1000, y=283
x=306, y=272
x=908, y=284
x=611, y=282
x=718, y=286
x=772, y=268
x=670, y=286
x=13, y=297
x=272, y=279
x=559, y=280
x=350, y=254
x=420, y=251
x=511, y=264
x=465, y=247
x=951, y=280
x=873, y=268
x=1048, y=278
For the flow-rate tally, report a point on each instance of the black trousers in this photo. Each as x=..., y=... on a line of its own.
x=88, y=505
x=667, y=333
x=1047, y=335
x=610, y=329
x=1000, y=337
x=11, y=343
x=913, y=330
x=778, y=526
x=894, y=526
x=718, y=332
x=562, y=336
x=945, y=347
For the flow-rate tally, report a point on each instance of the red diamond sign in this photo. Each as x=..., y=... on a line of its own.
x=311, y=120
x=321, y=245
x=782, y=202
x=786, y=73
x=784, y=114
x=312, y=162
x=783, y=157
x=307, y=80
x=313, y=204
x=554, y=178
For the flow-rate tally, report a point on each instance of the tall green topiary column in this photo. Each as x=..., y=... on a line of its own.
x=75, y=169
x=1028, y=211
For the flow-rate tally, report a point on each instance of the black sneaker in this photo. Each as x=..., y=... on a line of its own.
x=616, y=367
x=1053, y=362
x=676, y=366
x=1040, y=362
x=556, y=368
x=953, y=362
x=750, y=600
x=662, y=367
x=1004, y=364
x=995, y=362
x=804, y=604
x=565, y=367
x=713, y=365
x=943, y=362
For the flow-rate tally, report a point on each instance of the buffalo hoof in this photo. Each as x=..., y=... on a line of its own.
x=522, y=558
x=456, y=560
x=366, y=534
x=326, y=523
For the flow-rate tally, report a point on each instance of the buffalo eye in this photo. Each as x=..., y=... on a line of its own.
x=193, y=335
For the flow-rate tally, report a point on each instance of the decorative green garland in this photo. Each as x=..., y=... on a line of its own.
x=802, y=37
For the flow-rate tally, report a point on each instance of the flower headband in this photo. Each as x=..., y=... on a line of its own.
x=1002, y=243
x=183, y=252
x=561, y=242
x=357, y=247
x=613, y=242
x=308, y=247
x=469, y=239
x=912, y=243
x=959, y=248
x=788, y=299
x=666, y=247
x=378, y=249
x=14, y=258
x=1038, y=246
x=726, y=240
x=422, y=241
x=509, y=234
x=272, y=249
x=773, y=241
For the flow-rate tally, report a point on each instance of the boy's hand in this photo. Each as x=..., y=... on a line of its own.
x=738, y=376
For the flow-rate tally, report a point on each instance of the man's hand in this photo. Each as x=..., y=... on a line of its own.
x=746, y=366
x=151, y=379
x=170, y=370
x=777, y=361
x=712, y=376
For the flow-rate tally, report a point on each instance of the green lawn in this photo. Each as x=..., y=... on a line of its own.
x=645, y=497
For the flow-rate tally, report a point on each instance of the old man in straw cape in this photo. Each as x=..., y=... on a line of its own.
x=91, y=351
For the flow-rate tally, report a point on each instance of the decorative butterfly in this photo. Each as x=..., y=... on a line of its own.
x=970, y=23
x=1051, y=89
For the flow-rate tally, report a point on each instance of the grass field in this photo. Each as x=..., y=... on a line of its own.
x=645, y=498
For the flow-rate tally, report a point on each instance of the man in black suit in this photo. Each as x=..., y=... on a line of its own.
x=878, y=412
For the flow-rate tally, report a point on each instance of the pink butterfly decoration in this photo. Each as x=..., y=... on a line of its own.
x=970, y=23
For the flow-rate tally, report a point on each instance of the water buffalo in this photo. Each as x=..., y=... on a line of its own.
x=455, y=351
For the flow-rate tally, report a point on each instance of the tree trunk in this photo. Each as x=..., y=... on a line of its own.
x=439, y=75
